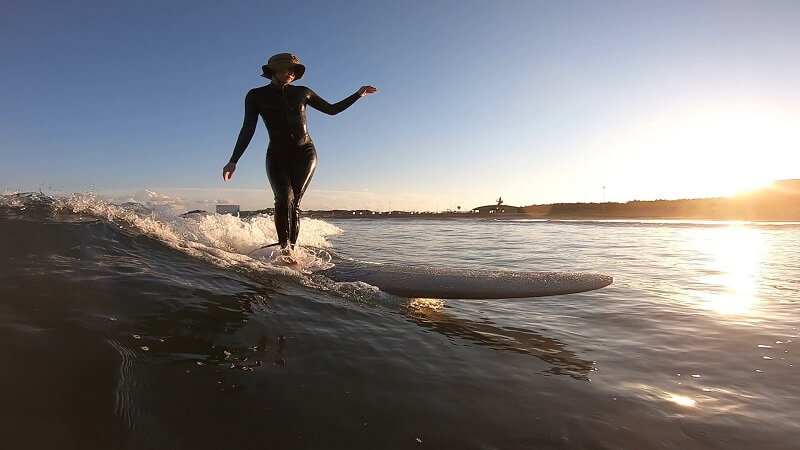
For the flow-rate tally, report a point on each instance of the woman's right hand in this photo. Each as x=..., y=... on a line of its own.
x=227, y=171
x=364, y=90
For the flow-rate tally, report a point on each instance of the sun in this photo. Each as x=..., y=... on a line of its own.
x=711, y=151
x=737, y=150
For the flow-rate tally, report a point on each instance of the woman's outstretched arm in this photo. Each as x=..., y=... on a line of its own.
x=245, y=135
x=318, y=103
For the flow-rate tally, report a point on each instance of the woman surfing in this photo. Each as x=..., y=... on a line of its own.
x=291, y=156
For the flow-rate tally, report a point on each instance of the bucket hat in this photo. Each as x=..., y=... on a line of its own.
x=283, y=61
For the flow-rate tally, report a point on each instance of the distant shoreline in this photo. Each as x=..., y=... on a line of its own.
x=778, y=202
x=539, y=217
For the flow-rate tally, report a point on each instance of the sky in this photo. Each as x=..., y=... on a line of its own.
x=532, y=101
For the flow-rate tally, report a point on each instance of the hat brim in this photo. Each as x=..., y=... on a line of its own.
x=298, y=69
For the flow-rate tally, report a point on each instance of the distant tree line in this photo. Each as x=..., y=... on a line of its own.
x=780, y=202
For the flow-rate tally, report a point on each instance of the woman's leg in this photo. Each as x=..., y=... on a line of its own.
x=280, y=181
x=303, y=164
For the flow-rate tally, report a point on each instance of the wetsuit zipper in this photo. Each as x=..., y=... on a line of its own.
x=288, y=110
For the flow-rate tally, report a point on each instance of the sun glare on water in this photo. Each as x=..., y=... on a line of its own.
x=656, y=394
x=681, y=400
x=735, y=259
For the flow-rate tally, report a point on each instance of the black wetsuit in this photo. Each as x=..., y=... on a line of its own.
x=291, y=157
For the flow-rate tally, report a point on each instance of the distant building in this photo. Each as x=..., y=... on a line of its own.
x=499, y=207
x=228, y=209
x=496, y=209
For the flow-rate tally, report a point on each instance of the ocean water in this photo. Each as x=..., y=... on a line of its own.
x=127, y=327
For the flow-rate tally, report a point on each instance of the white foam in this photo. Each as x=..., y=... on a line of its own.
x=223, y=239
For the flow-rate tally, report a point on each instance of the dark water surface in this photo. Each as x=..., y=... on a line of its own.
x=123, y=328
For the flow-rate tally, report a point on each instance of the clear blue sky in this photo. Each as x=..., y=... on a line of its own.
x=533, y=101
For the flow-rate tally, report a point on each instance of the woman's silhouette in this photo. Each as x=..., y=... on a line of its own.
x=291, y=156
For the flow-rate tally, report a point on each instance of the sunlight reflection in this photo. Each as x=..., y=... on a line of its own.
x=426, y=304
x=735, y=258
x=655, y=394
x=680, y=399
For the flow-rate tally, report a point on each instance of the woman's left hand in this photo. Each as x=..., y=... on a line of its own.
x=367, y=90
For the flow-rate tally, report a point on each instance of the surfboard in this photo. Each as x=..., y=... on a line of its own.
x=446, y=283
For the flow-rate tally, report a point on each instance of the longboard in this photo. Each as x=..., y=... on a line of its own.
x=445, y=283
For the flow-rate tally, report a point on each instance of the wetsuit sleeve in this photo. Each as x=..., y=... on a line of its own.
x=318, y=103
x=248, y=127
